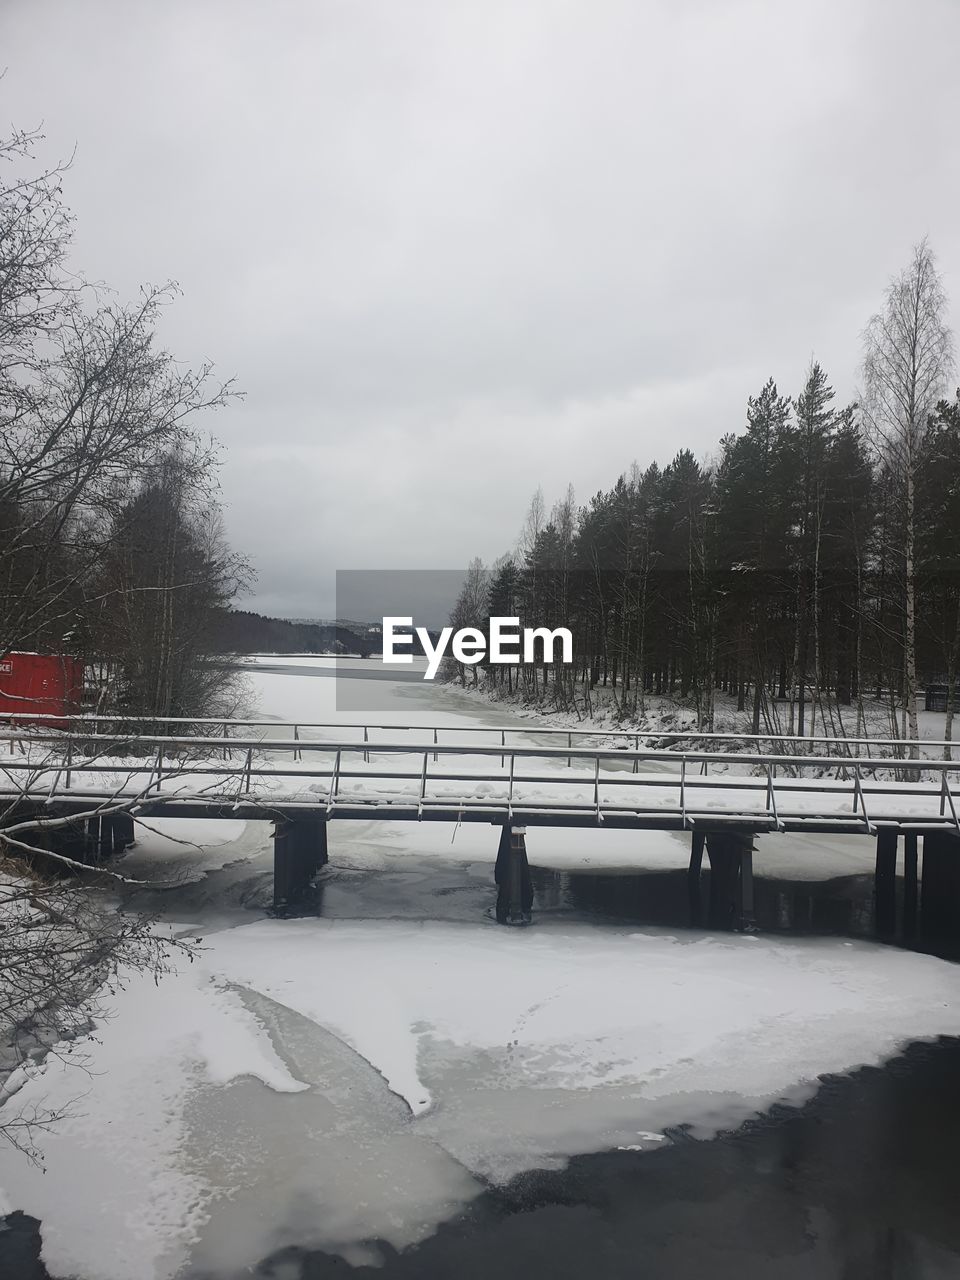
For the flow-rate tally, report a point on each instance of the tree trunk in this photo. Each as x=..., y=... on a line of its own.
x=910, y=620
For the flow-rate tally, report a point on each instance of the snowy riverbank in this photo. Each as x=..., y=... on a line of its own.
x=609, y=713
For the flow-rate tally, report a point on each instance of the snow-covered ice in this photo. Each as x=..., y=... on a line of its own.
x=509, y=1051
x=116, y=1195
x=574, y=1008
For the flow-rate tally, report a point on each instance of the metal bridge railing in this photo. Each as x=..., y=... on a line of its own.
x=344, y=775
x=226, y=727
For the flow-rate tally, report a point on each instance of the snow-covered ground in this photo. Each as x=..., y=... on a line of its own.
x=334, y=1081
x=666, y=714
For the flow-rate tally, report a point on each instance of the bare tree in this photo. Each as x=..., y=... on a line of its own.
x=91, y=410
x=470, y=608
x=61, y=953
x=908, y=357
x=64, y=945
x=37, y=293
x=88, y=403
x=536, y=518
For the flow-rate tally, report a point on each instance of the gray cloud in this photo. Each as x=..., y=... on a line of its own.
x=454, y=250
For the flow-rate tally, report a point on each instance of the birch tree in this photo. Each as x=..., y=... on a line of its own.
x=908, y=358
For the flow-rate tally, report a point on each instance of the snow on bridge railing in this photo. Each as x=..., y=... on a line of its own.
x=298, y=746
x=70, y=762
x=225, y=727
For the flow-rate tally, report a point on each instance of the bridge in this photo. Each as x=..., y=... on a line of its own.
x=75, y=786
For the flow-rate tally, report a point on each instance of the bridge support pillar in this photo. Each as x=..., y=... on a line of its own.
x=124, y=831
x=910, y=885
x=940, y=887
x=107, y=834
x=512, y=876
x=885, y=882
x=731, y=879
x=694, y=877
x=73, y=841
x=299, y=851
x=86, y=839
x=91, y=839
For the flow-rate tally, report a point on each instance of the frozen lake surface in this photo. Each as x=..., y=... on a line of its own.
x=397, y=1082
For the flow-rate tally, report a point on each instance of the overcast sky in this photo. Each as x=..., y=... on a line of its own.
x=454, y=249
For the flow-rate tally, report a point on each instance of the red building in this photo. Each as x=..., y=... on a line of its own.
x=40, y=683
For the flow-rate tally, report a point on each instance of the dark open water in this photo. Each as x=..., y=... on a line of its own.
x=863, y=1183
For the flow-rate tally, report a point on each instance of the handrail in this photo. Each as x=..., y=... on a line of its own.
x=234, y=783
x=667, y=782
x=673, y=735
x=612, y=754
x=263, y=773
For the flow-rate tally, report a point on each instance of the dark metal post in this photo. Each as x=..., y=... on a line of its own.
x=71, y=841
x=92, y=840
x=124, y=831
x=940, y=887
x=885, y=882
x=731, y=878
x=746, y=887
x=105, y=837
x=910, y=885
x=512, y=876
x=282, y=859
x=693, y=876
x=299, y=851
x=312, y=837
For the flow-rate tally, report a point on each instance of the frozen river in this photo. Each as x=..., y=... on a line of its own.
x=396, y=1082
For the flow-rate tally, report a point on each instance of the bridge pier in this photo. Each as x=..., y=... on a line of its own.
x=87, y=839
x=910, y=886
x=512, y=877
x=731, y=879
x=299, y=851
x=107, y=834
x=885, y=882
x=74, y=841
x=124, y=830
x=940, y=887
x=694, y=892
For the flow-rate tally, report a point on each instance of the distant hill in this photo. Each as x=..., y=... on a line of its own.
x=240, y=631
